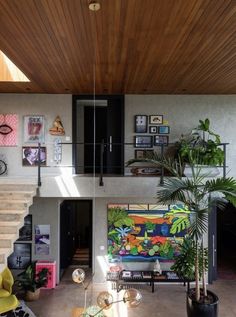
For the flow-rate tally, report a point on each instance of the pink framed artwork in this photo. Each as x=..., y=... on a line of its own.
x=8, y=129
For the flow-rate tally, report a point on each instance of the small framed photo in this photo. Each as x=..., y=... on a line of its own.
x=153, y=130
x=156, y=119
x=164, y=129
x=30, y=156
x=140, y=154
x=141, y=124
x=161, y=139
x=34, y=129
x=143, y=141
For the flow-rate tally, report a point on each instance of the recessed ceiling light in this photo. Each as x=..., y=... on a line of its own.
x=94, y=6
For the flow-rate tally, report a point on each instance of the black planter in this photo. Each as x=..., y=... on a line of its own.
x=196, y=309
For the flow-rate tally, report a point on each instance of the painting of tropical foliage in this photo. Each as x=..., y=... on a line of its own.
x=146, y=232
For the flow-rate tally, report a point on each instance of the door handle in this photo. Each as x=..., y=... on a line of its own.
x=110, y=143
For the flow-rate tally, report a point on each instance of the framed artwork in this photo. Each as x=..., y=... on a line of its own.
x=156, y=119
x=25, y=233
x=164, y=129
x=140, y=154
x=21, y=257
x=34, y=129
x=153, y=129
x=143, y=141
x=141, y=124
x=42, y=239
x=161, y=139
x=30, y=156
x=8, y=129
x=144, y=233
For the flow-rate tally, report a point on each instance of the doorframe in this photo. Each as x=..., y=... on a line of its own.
x=212, y=244
x=74, y=122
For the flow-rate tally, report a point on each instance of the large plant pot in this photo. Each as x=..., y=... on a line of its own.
x=196, y=309
x=32, y=296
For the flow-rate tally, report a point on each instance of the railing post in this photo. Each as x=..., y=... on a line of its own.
x=162, y=168
x=224, y=164
x=39, y=165
x=101, y=163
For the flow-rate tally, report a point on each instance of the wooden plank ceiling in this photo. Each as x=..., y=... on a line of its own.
x=139, y=46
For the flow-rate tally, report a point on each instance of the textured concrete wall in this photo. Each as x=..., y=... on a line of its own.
x=37, y=104
x=183, y=113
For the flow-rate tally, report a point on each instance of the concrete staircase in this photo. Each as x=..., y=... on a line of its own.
x=14, y=206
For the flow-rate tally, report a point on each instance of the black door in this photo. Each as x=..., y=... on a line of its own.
x=100, y=125
x=109, y=123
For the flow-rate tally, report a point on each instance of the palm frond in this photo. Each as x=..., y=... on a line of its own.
x=198, y=223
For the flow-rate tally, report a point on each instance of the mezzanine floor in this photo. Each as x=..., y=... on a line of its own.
x=168, y=300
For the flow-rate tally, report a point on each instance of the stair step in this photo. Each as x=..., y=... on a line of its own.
x=8, y=229
x=4, y=253
x=13, y=211
x=6, y=243
x=18, y=188
x=12, y=205
x=6, y=236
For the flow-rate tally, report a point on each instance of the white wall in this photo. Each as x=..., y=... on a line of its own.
x=39, y=104
x=183, y=113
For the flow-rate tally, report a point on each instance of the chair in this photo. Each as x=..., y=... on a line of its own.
x=6, y=283
x=8, y=303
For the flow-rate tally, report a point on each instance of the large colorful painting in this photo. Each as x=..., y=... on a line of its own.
x=146, y=232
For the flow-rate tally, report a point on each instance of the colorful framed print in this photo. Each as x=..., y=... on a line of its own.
x=141, y=123
x=164, y=129
x=143, y=141
x=156, y=119
x=140, y=154
x=161, y=140
x=34, y=130
x=8, y=129
x=153, y=130
x=30, y=156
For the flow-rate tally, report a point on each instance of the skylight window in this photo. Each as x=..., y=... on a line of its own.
x=9, y=71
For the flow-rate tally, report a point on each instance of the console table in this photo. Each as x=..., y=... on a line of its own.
x=121, y=278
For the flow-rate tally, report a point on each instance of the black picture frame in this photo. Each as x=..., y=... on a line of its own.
x=156, y=119
x=140, y=154
x=20, y=259
x=153, y=129
x=140, y=123
x=143, y=141
x=164, y=129
x=25, y=233
x=161, y=140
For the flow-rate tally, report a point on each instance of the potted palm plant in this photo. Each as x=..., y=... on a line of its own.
x=31, y=282
x=196, y=193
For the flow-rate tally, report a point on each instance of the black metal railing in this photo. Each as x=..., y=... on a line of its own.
x=103, y=146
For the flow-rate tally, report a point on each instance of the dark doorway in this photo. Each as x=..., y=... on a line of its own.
x=226, y=243
x=108, y=112
x=75, y=233
x=100, y=134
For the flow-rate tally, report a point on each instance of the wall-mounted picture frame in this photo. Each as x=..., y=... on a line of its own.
x=21, y=257
x=141, y=123
x=153, y=130
x=164, y=129
x=140, y=154
x=161, y=140
x=25, y=233
x=30, y=156
x=34, y=129
x=156, y=119
x=143, y=141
